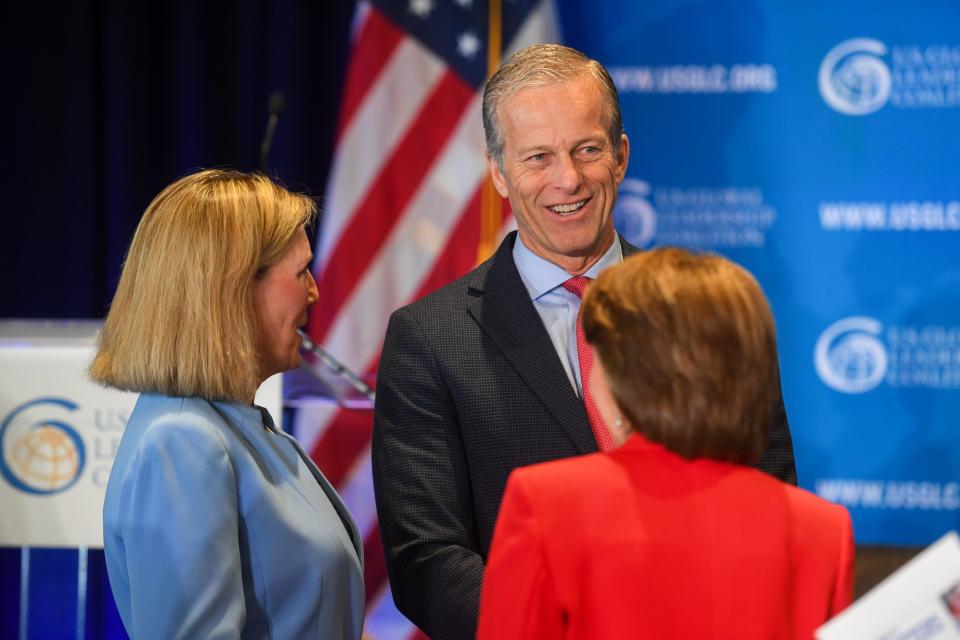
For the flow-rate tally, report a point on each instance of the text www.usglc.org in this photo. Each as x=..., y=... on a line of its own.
x=891, y=494
x=890, y=216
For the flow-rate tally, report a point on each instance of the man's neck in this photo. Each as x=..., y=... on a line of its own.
x=541, y=275
x=579, y=265
x=575, y=265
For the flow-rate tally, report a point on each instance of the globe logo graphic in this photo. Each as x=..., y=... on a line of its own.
x=633, y=215
x=853, y=79
x=45, y=458
x=40, y=457
x=849, y=357
x=854, y=358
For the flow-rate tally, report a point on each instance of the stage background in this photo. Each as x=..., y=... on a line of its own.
x=815, y=144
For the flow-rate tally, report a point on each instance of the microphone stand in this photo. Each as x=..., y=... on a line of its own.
x=338, y=367
x=276, y=106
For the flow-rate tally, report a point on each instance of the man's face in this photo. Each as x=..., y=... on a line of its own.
x=560, y=171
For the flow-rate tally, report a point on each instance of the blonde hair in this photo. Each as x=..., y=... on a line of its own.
x=182, y=321
x=541, y=65
x=689, y=347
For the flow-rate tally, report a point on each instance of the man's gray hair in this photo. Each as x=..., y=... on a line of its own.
x=542, y=65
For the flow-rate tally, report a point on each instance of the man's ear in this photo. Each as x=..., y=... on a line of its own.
x=499, y=181
x=623, y=157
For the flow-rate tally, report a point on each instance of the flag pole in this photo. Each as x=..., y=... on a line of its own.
x=491, y=205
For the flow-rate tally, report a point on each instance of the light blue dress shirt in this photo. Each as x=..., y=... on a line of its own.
x=217, y=525
x=558, y=308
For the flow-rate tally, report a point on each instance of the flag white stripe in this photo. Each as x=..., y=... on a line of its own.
x=379, y=124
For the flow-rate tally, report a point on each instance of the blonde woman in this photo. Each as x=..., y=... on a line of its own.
x=216, y=523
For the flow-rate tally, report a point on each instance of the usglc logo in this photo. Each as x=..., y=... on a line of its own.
x=853, y=78
x=849, y=357
x=40, y=455
x=633, y=214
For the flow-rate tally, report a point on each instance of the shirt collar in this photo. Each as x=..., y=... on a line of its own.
x=541, y=276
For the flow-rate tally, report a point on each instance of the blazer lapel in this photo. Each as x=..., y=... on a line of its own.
x=333, y=496
x=500, y=304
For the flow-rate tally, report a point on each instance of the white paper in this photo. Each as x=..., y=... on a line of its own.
x=919, y=601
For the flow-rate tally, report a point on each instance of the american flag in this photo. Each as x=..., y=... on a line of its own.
x=402, y=215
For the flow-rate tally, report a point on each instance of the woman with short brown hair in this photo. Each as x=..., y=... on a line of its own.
x=673, y=534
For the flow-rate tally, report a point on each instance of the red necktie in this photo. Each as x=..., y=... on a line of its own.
x=577, y=285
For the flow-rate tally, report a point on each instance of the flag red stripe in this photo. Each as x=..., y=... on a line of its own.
x=344, y=439
x=376, y=42
x=374, y=565
x=390, y=194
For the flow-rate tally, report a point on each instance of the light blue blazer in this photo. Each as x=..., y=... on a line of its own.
x=217, y=525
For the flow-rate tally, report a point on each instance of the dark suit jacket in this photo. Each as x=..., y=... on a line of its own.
x=470, y=388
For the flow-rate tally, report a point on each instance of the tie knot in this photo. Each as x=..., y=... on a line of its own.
x=577, y=285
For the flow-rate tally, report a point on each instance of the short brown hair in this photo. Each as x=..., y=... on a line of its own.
x=689, y=346
x=540, y=65
x=182, y=321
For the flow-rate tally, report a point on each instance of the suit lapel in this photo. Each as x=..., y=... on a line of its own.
x=500, y=304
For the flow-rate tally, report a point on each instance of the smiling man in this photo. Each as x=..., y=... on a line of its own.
x=560, y=165
x=484, y=375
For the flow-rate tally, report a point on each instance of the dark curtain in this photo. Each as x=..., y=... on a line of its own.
x=107, y=102
x=104, y=104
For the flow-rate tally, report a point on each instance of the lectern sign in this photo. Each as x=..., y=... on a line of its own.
x=59, y=434
x=58, y=437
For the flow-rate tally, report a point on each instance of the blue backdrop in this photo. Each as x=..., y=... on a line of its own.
x=815, y=143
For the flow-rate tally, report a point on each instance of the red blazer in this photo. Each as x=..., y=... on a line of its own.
x=640, y=542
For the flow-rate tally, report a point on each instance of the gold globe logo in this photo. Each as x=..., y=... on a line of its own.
x=43, y=456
